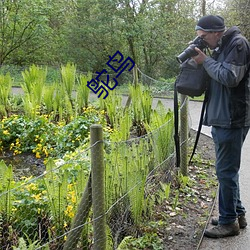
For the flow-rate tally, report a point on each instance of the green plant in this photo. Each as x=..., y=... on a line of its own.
x=44, y=137
x=126, y=172
x=5, y=90
x=68, y=74
x=164, y=191
x=29, y=244
x=82, y=94
x=147, y=241
x=121, y=130
x=141, y=104
x=30, y=207
x=34, y=81
x=161, y=126
x=113, y=108
x=176, y=199
x=48, y=98
x=184, y=181
x=56, y=187
x=6, y=196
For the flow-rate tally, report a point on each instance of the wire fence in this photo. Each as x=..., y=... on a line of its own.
x=42, y=209
x=55, y=210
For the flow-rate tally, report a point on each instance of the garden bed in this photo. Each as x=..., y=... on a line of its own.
x=179, y=221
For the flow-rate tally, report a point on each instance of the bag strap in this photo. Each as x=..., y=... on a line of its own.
x=176, y=126
x=199, y=127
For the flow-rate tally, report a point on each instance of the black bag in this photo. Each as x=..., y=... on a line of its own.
x=192, y=80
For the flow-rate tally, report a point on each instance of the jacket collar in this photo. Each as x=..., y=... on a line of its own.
x=231, y=32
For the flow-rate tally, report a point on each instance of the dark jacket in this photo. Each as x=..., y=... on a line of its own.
x=229, y=90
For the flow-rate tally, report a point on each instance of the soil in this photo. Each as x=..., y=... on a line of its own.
x=25, y=164
x=186, y=223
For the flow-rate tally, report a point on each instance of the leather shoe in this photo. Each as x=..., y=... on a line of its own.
x=221, y=231
x=241, y=219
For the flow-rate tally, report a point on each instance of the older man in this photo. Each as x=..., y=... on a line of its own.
x=228, y=112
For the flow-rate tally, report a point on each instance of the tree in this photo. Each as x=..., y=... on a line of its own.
x=237, y=13
x=21, y=21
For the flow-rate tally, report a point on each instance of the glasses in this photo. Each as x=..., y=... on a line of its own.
x=203, y=36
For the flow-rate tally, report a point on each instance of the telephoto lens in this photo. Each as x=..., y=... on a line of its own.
x=190, y=50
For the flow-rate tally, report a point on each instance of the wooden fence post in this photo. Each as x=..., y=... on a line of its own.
x=98, y=195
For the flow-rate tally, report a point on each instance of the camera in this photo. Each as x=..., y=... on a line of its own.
x=190, y=51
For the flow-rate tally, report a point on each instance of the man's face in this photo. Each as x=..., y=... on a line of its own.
x=211, y=38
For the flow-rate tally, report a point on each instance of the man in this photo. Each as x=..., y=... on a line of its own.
x=228, y=112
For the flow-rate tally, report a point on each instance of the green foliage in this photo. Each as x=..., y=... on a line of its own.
x=30, y=206
x=23, y=245
x=6, y=184
x=33, y=85
x=114, y=109
x=43, y=137
x=164, y=191
x=23, y=28
x=147, y=241
x=127, y=160
x=89, y=31
x=82, y=98
x=161, y=126
x=57, y=188
x=68, y=73
x=5, y=90
x=126, y=172
x=141, y=104
x=48, y=98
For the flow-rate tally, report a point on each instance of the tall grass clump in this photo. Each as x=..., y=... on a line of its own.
x=161, y=132
x=82, y=93
x=68, y=74
x=34, y=80
x=5, y=90
x=113, y=108
x=141, y=105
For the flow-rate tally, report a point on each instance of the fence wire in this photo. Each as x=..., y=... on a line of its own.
x=47, y=204
x=44, y=210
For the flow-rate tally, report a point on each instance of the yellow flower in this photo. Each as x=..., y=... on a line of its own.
x=73, y=199
x=14, y=209
x=6, y=132
x=45, y=151
x=16, y=152
x=38, y=156
x=69, y=211
x=37, y=196
x=31, y=187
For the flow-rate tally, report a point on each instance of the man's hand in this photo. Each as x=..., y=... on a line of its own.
x=200, y=58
